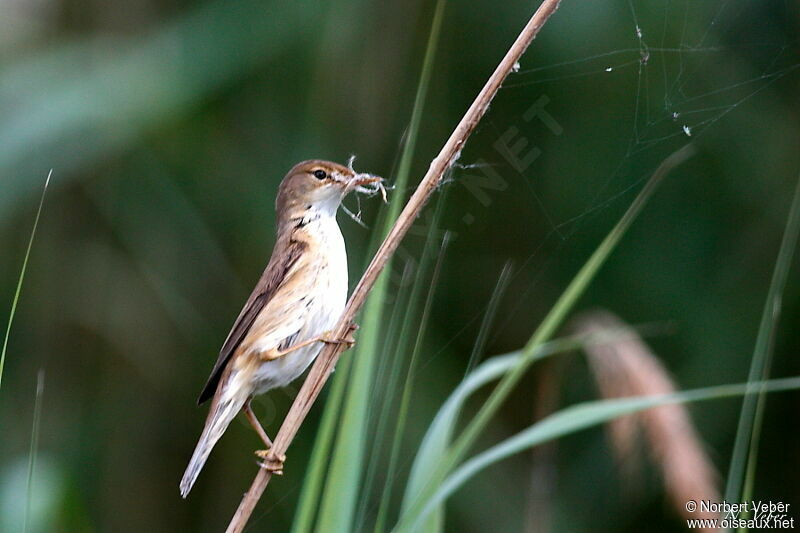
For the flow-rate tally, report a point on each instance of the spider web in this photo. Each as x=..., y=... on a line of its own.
x=691, y=65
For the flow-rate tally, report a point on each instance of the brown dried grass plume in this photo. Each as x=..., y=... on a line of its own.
x=623, y=365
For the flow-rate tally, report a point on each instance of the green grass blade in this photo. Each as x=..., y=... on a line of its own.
x=404, y=167
x=438, y=436
x=402, y=345
x=441, y=438
x=585, y=415
x=548, y=327
x=339, y=501
x=488, y=318
x=409, y=322
x=37, y=419
x=405, y=400
x=320, y=456
x=389, y=385
x=22, y=278
x=385, y=381
x=739, y=485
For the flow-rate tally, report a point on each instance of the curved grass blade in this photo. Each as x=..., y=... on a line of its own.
x=22, y=277
x=585, y=415
x=441, y=430
x=438, y=436
x=739, y=486
x=546, y=329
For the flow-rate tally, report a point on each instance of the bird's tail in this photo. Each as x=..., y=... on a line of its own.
x=223, y=410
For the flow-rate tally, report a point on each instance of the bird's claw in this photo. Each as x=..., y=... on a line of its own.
x=271, y=462
x=348, y=338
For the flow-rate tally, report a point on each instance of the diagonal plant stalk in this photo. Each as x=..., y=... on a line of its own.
x=742, y=469
x=318, y=464
x=22, y=277
x=411, y=517
x=326, y=361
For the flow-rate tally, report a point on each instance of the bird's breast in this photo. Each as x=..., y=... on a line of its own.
x=329, y=257
x=318, y=302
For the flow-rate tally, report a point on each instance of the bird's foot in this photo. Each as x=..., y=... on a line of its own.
x=347, y=340
x=271, y=462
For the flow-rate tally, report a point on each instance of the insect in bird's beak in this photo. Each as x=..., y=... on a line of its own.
x=367, y=184
x=364, y=179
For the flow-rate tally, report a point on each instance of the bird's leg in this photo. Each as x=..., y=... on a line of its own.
x=275, y=353
x=348, y=339
x=251, y=417
x=271, y=462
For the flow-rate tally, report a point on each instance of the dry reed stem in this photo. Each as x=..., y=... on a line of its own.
x=330, y=353
x=627, y=367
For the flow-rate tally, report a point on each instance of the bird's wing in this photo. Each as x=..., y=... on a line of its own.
x=284, y=257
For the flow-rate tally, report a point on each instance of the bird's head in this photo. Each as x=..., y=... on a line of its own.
x=318, y=186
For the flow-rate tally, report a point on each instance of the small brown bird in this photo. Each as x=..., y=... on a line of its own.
x=299, y=297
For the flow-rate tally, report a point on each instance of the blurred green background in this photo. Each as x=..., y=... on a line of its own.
x=169, y=124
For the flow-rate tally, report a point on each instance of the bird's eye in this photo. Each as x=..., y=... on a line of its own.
x=320, y=174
